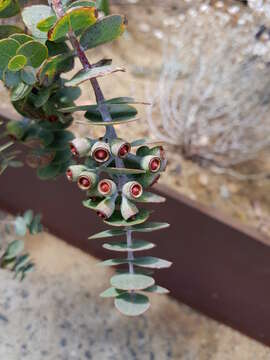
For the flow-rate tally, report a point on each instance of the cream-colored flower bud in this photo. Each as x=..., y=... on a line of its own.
x=107, y=187
x=132, y=190
x=87, y=180
x=100, y=151
x=74, y=171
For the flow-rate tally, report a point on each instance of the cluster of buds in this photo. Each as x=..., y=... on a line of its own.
x=105, y=193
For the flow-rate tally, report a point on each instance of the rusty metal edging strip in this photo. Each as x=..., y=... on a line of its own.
x=219, y=269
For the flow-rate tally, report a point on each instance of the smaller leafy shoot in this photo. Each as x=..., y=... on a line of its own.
x=14, y=260
x=9, y=8
x=132, y=304
x=29, y=222
x=20, y=226
x=103, y=31
x=127, y=281
x=75, y=19
x=17, y=63
x=94, y=72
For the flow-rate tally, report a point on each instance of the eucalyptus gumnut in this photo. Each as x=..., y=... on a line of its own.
x=132, y=190
x=74, y=171
x=80, y=146
x=150, y=163
x=100, y=151
x=120, y=148
x=128, y=209
x=87, y=180
x=106, y=207
x=107, y=187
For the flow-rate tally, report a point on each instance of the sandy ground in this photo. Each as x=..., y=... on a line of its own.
x=56, y=313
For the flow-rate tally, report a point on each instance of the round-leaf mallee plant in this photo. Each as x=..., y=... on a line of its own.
x=116, y=175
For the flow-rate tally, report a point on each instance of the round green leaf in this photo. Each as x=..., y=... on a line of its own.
x=32, y=15
x=34, y=51
x=117, y=220
x=9, y=8
x=28, y=75
x=7, y=30
x=20, y=91
x=137, y=245
x=75, y=19
x=111, y=293
x=21, y=38
x=11, y=78
x=14, y=249
x=128, y=281
x=132, y=304
x=94, y=72
x=8, y=48
x=105, y=30
x=148, y=197
x=152, y=262
x=17, y=63
x=108, y=234
x=20, y=226
x=46, y=24
x=157, y=289
x=150, y=226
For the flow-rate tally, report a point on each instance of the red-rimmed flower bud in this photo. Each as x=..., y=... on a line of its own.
x=107, y=187
x=80, y=146
x=74, y=171
x=151, y=163
x=106, y=208
x=158, y=151
x=132, y=190
x=128, y=209
x=120, y=148
x=87, y=180
x=100, y=151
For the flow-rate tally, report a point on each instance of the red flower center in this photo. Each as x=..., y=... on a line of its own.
x=105, y=187
x=73, y=149
x=101, y=154
x=84, y=182
x=69, y=174
x=124, y=149
x=136, y=190
x=154, y=164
